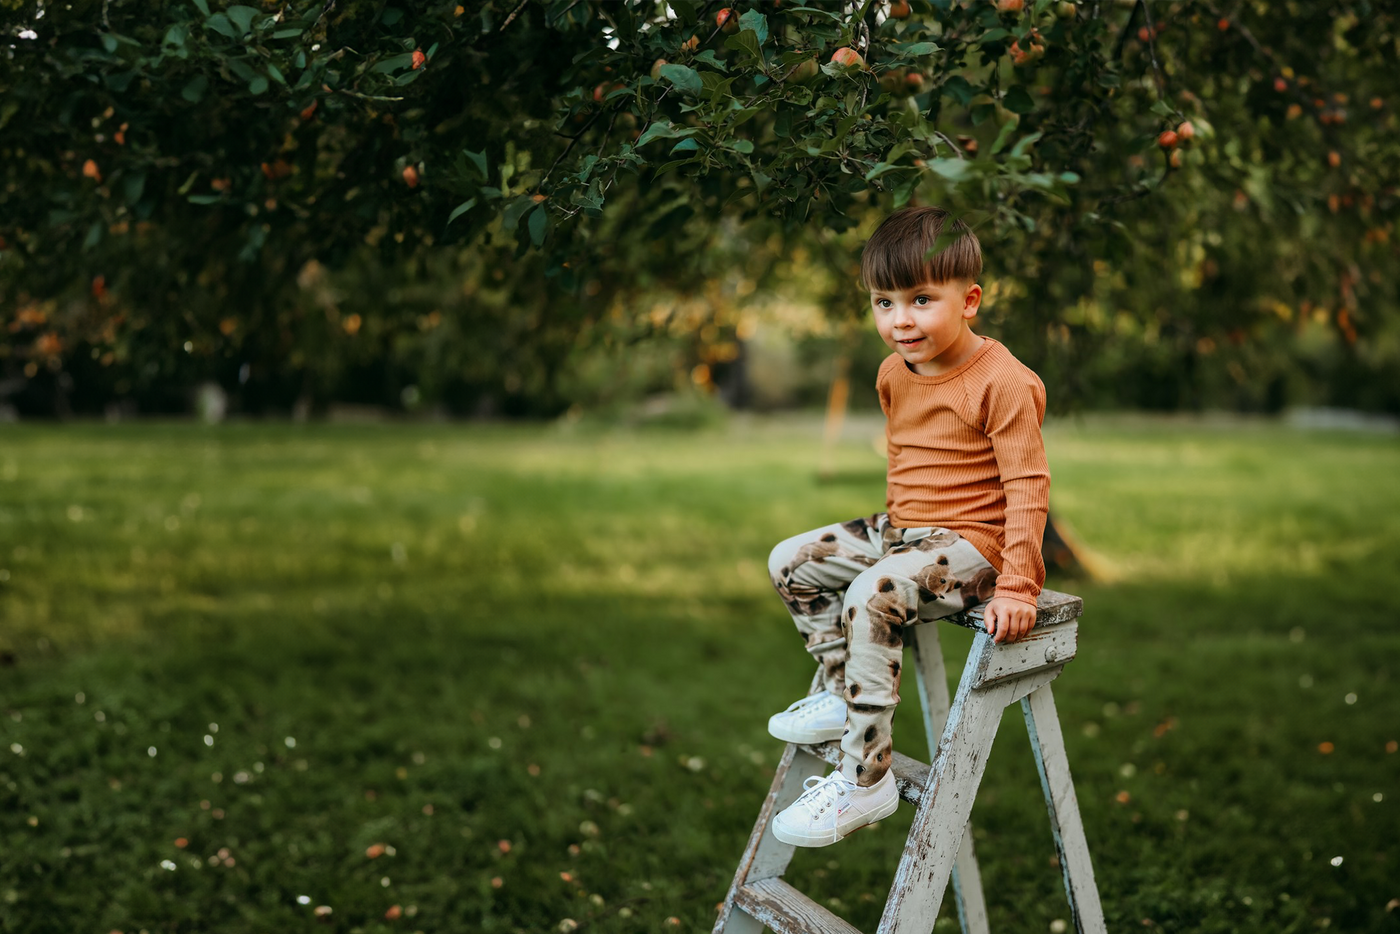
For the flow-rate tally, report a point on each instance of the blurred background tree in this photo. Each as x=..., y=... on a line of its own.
x=526, y=206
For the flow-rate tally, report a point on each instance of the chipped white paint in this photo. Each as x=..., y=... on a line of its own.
x=939, y=846
x=1048, y=744
x=1040, y=648
x=933, y=698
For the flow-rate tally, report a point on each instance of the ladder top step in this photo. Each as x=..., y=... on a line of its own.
x=1053, y=607
x=779, y=906
x=910, y=775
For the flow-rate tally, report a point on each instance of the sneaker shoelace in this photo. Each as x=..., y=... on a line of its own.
x=815, y=706
x=825, y=793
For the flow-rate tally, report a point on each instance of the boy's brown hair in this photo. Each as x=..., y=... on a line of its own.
x=897, y=257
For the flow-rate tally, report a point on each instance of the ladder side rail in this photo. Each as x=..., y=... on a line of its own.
x=1048, y=745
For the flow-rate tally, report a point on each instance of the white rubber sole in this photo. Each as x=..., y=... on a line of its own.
x=799, y=839
x=791, y=734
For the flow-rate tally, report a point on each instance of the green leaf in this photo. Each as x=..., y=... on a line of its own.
x=1162, y=109
x=685, y=145
x=394, y=63
x=658, y=130
x=958, y=88
x=220, y=24
x=919, y=49
x=478, y=159
x=175, y=36
x=741, y=145
x=1007, y=130
x=1024, y=143
x=761, y=181
x=287, y=33
x=757, y=22
x=1017, y=100
x=951, y=169
x=257, y=86
x=205, y=199
x=391, y=16
x=134, y=187
x=461, y=209
x=194, y=91
x=510, y=217
x=745, y=41
x=808, y=9
x=202, y=6
x=539, y=226
x=686, y=80
x=708, y=57
x=94, y=236
x=242, y=17
x=275, y=73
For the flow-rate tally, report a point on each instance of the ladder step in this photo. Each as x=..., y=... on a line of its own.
x=910, y=775
x=785, y=910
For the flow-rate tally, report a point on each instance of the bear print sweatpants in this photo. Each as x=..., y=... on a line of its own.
x=852, y=588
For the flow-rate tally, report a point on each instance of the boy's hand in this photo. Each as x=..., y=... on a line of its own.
x=1007, y=619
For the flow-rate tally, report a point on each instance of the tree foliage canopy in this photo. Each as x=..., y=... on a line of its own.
x=195, y=189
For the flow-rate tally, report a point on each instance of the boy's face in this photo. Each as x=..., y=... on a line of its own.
x=927, y=325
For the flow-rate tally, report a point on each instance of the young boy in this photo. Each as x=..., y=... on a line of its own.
x=967, y=490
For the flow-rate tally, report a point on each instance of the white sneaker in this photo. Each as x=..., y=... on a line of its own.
x=814, y=719
x=834, y=808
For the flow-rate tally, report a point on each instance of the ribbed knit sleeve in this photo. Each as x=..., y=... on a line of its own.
x=1012, y=410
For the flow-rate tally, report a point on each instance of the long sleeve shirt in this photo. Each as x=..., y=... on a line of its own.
x=966, y=454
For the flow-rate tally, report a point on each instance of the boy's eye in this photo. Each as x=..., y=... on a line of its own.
x=922, y=298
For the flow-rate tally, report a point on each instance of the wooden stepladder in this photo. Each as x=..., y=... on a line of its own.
x=939, y=846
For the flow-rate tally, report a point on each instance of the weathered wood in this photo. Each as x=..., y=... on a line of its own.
x=765, y=856
x=933, y=698
x=1040, y=648
x=1051, y=608
x=910, y=775
x=1048, y=744
x=939, y=846
x=935, y=838
x=777, y=905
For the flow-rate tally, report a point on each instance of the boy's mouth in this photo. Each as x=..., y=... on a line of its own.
x=910, y=341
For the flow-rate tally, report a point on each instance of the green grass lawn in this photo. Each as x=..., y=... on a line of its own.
x=535, y=667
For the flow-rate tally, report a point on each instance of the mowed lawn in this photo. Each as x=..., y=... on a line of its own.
x=459, y=678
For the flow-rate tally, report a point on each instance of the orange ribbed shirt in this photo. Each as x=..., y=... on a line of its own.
x=965, y=453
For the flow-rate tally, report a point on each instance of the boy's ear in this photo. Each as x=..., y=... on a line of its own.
x=972, y=300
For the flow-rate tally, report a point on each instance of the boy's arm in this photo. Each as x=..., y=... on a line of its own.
x=1015, y=408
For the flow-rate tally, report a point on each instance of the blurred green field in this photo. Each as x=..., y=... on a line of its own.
x=535, y=664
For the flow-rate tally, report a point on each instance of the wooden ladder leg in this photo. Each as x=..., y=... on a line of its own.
x=1048, y=744
x=933, y=698
x=765, y=856
x=935, y=839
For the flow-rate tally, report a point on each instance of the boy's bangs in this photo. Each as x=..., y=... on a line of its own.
x=917, y=245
